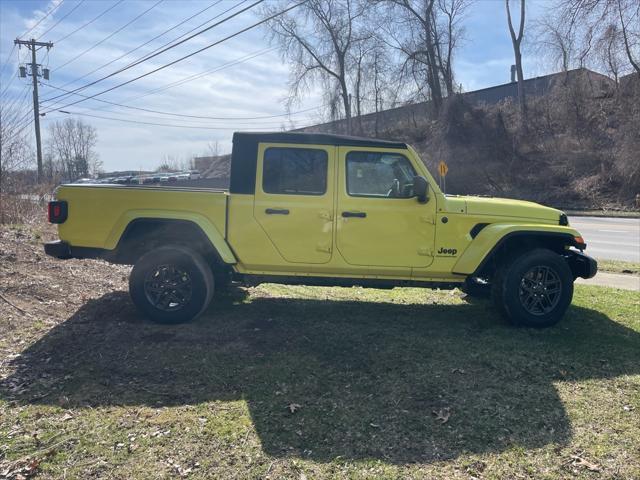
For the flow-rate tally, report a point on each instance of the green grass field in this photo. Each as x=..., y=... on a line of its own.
x=619, y=266
x=298, y=382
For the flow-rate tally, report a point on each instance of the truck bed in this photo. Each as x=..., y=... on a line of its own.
x=99, y=214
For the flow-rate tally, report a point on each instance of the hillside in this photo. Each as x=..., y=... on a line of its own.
x=577, y=150
x=573, y=151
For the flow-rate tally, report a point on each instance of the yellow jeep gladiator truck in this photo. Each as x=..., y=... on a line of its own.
x=320, y=209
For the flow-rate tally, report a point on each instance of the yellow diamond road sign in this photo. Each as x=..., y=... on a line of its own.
x=443, y=169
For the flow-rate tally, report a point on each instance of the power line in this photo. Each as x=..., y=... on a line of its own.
x=170, y=44
x=61, y=19
x=203, y=117
x=90, y=21
x=6, y=61
x=150, y=56
x=200, y=127
x=143, y=44
x=53, y=9
x=24, y=121
x=17, y=100
x=196, y=76
x=178, y=82
x=191, y=77
x=218, y=42
x=109, y=36
x=13, y=77
x=4, y=65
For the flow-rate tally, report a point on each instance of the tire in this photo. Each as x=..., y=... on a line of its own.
x=171, y=284
x=534, y=289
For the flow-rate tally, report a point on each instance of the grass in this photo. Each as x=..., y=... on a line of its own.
x=619, y=266
x=299, y=382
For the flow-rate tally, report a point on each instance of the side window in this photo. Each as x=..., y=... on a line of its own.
x=377, y=174
x=294, y=171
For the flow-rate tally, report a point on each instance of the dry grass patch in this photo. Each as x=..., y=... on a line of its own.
x=298, y=382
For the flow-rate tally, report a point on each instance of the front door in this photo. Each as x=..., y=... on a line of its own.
x=380, y=222
x=294, y=200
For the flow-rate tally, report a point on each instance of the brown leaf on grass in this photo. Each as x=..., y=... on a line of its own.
x=294, y=407
x=442, y=415
x=578, y=461
x=21, y=469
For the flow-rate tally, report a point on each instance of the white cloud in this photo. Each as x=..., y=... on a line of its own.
x=254, y=88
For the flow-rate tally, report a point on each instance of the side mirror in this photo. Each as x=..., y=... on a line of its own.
x=421, y=189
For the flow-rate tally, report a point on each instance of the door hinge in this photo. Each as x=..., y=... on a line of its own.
x=431, y=219
x=425, y=252
x=323, y=247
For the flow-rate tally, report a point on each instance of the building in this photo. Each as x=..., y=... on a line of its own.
x=411, y=115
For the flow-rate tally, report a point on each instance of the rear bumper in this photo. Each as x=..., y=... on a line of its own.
x=62, y=250
x=582, y=265
x=58, y=249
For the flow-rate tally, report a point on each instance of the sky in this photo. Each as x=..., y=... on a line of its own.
x=239, y=82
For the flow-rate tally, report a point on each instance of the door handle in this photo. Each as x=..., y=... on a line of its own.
x=354, y=214
x=276, y=211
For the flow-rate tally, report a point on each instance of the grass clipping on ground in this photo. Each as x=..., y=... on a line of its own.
x=296, y=382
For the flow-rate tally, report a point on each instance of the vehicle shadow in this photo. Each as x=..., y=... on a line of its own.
x=367, y=379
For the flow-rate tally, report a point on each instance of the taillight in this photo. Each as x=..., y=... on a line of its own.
x=58, y=212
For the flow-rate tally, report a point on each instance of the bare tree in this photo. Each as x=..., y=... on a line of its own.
x=411, y=27
x=426, y=34
x=605, y=29
x=71, y=149
x=516, y=41
x=630, y=36
x=447, y=33
x=318, y=39
x=555, y=41
x=15, y=149
x=610, y=51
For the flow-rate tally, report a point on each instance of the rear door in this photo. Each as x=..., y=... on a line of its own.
x=294, y=200
x=380, y=222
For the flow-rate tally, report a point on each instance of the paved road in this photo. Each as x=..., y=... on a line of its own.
x=614, y=280
x=610, y=238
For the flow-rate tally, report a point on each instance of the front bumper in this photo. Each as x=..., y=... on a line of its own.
x=58, y=249
x=582, y=265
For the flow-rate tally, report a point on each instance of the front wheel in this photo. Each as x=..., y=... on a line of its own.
x=535, y=289
x=171, y=284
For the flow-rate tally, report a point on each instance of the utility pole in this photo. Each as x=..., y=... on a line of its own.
x=35, y=46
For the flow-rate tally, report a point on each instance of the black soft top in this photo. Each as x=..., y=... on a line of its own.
x=313, y=138
x=244, y=155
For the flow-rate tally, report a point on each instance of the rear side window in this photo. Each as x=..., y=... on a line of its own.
x=295, y=171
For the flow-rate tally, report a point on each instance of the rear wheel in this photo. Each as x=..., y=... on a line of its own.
x=534, y=289
x=171, y=284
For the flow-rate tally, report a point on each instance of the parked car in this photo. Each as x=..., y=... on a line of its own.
x=320, y=209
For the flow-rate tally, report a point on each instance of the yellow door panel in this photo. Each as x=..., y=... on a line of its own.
x=294, y=200
x=379, y=222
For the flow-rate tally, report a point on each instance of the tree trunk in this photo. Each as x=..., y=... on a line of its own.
x=522, y=101
x=346, y=103
x=625, y=37
x=516, y=41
